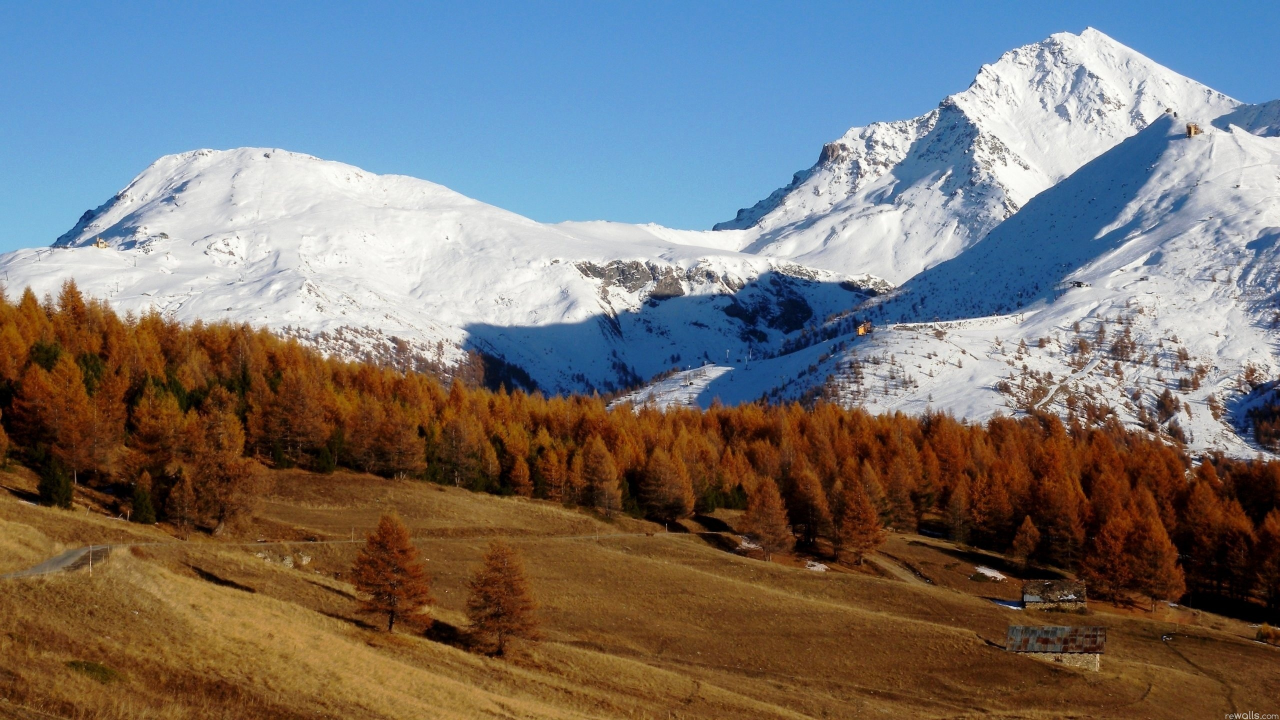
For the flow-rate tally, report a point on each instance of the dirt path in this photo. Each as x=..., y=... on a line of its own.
x=69, y=561
x=78, y=558
x=897, y=569
x=1211, y=674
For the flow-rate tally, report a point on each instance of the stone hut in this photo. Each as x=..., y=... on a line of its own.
x=1193, y=130
x=1054, y=595
x=1074, y=646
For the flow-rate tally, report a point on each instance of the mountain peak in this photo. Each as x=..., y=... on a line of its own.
x=896, y=198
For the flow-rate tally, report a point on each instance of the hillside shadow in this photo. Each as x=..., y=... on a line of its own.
x=994, y=561
x=617, y=350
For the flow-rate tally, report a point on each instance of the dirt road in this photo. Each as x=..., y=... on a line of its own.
x=68, y=561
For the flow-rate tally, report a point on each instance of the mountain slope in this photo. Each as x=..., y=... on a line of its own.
x=389, y=265
x=1152, y=271
x=895, y=198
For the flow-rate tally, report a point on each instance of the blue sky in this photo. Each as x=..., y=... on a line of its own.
x=671, y=112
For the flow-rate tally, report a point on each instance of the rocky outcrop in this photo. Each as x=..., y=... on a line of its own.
x=662, y=281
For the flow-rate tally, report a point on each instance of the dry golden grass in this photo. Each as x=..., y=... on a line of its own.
x=637, y=626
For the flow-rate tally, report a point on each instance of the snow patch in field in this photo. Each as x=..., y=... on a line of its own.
x=995, y=575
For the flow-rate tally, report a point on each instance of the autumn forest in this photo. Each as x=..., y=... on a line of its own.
x=180, y=423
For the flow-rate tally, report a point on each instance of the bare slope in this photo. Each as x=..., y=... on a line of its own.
x=636, y=626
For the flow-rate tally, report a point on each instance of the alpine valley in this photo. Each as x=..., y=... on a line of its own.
x=1051, y=238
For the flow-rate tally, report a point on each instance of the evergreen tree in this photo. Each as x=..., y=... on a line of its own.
x=4, y=446
x=858, y=528
x=143, y=511
x=1026, y=542
x=389, y=572
x=501, y=605
x=54, y=487
x=766, y=518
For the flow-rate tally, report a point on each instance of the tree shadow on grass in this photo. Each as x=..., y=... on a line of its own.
x=720, y=541
x=218, y=580
x=713, y=524
x=995, y=562
x=24, y=495
x=448, y=634
x=340, y=593
x=354, y=621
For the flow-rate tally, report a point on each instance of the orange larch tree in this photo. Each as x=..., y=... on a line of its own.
x=389, y=573
x=501, y=605
x=766, y=518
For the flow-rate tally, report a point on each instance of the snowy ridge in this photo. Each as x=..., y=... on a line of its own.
x=895, y=198
x=1153, y=269
x=356, y=261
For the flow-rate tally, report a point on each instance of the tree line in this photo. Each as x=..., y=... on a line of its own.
x=183, y=419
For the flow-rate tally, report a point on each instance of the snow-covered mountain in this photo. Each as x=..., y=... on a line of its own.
x=1058, y=241
x=354, y=261
x=894, y=198
x=1153, y=268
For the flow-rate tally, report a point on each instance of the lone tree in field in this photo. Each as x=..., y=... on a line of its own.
x=501, y=606
x=858, y=528
x=389, y=572
x=766, y=518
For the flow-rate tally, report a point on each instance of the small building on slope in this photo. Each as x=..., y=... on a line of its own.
x=1074, y=646
x=1067, y=595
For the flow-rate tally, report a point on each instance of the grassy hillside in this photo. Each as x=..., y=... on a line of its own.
x=638, y=623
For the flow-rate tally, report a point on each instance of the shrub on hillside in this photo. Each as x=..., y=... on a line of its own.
x=1269, y=635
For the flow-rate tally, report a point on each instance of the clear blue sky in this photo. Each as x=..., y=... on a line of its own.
x=677, y=113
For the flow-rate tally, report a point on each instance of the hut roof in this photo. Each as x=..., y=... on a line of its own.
x=1053, y=591
x=1055, y=639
